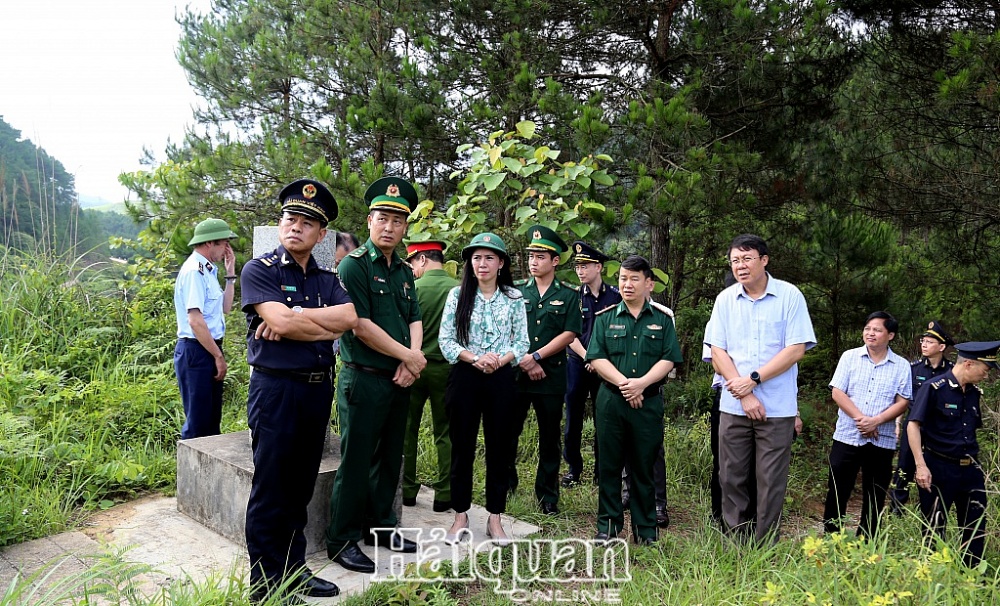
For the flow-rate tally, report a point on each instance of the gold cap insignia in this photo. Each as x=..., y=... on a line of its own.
x=486, y=238
x=392, y=190
x=309, y=191
x=579, y=248
x=537, y=235
x=931, y=326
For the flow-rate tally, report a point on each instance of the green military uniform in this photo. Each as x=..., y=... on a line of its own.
x=371, y=407
x=549, y=315
x=432, y=292
x=626, y=434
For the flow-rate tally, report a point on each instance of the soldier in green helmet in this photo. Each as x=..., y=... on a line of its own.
x=382, y=358
x=553, y=323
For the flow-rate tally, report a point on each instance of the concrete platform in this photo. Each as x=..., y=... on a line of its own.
x=152, y=532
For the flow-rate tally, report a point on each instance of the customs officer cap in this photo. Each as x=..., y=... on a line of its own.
x=585, y=253
x=544, y=239
x=486, y=240
x=934, y=329
x=391, y=194
x=308, y=198
x=984, y=351
x=210, y=230
x=415, y=248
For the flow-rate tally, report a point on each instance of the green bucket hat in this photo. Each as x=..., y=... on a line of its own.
x=211, y=229
x=486, y=240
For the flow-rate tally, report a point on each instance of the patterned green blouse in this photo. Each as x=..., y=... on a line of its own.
x=499, y=325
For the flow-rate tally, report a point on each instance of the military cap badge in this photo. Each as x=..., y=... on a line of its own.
x=392, y=190
x=537, y=235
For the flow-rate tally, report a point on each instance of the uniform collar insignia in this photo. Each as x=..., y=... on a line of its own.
x=284, y=259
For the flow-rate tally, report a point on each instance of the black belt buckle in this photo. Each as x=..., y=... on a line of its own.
x=314, y=377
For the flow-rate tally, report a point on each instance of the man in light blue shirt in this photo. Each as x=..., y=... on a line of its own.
x=759, y=330
x=200, y=304
x=871, y=386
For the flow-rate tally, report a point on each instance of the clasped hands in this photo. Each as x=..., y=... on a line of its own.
x=409, y=369
x=867, y=426
x=488, y=363
x=631, y=390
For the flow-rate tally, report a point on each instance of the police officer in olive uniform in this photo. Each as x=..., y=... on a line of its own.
x=932, y=363
x=382, y=359
x=433, y=285
x=942, y=433
x=581, y=381
x=633, y=348
x=295, y=309
x=553, y=323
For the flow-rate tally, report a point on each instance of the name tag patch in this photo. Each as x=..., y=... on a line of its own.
x=287, y=288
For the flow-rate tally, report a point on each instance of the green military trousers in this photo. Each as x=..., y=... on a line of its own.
x=372, y=413
x=431, y=385
x=632, y=435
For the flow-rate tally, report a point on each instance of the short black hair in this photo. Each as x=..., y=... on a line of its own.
x=891, y=324
x=432, y=255
x=347, y=240
x=749, y=242
x=637, y=263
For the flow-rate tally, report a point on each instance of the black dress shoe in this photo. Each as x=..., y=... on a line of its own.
x=260, y=595
x=316, y=587
x=601, y=538
x=569, y=480
x=409, y=501
x=549, y=509
x=390, y=539
x=353, y=559
x=645, y=541
x=662, y=517
x=440, y=506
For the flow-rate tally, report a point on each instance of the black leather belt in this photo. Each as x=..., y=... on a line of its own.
x=963, y=461
x=217, y=341
x=313, y=376
x=381, y=372
x=649, y=392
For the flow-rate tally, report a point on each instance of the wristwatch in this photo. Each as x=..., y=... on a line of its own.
x=756, y=377
x=475, y=358
x=537, y=356
x=297, y=309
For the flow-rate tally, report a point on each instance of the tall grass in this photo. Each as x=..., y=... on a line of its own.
x=89, y=408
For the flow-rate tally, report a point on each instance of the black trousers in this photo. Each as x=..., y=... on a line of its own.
x=580, y=385
x=288, y=421
x=965, y=486
x=875, y=465
x=472, y=396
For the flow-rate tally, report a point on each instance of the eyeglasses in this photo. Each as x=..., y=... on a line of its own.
x=745, y=260
x=929, y=341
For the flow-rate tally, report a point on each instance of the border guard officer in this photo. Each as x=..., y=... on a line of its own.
x=382, y=359
x=553, y=323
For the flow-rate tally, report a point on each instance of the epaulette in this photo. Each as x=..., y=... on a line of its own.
x=269, y=259
x=201, y=268
x=613, y=288
x=915, y=362
x=662, y=308
x=937, y=383
x=358, y=252
x=979, y=388
x=327, y=269
x=520, y=283
x=606, y=309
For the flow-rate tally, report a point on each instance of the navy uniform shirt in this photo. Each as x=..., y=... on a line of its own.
x=948, y=416
x=590, y=305
x=922, y=371
x=277, y=277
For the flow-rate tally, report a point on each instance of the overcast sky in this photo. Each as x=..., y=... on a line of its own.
x=93, y=81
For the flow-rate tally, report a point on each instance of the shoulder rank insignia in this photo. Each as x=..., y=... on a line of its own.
x=520, y=283
x=938, y=383
x=327, y=269
x=268, y=259
x=606, y=309
x=358, y=252
x=201, y=268
x=662, y=308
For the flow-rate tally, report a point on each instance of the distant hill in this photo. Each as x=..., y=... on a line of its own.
x=99, y=203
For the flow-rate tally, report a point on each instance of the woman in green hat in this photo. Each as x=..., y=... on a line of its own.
x=484, y=332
